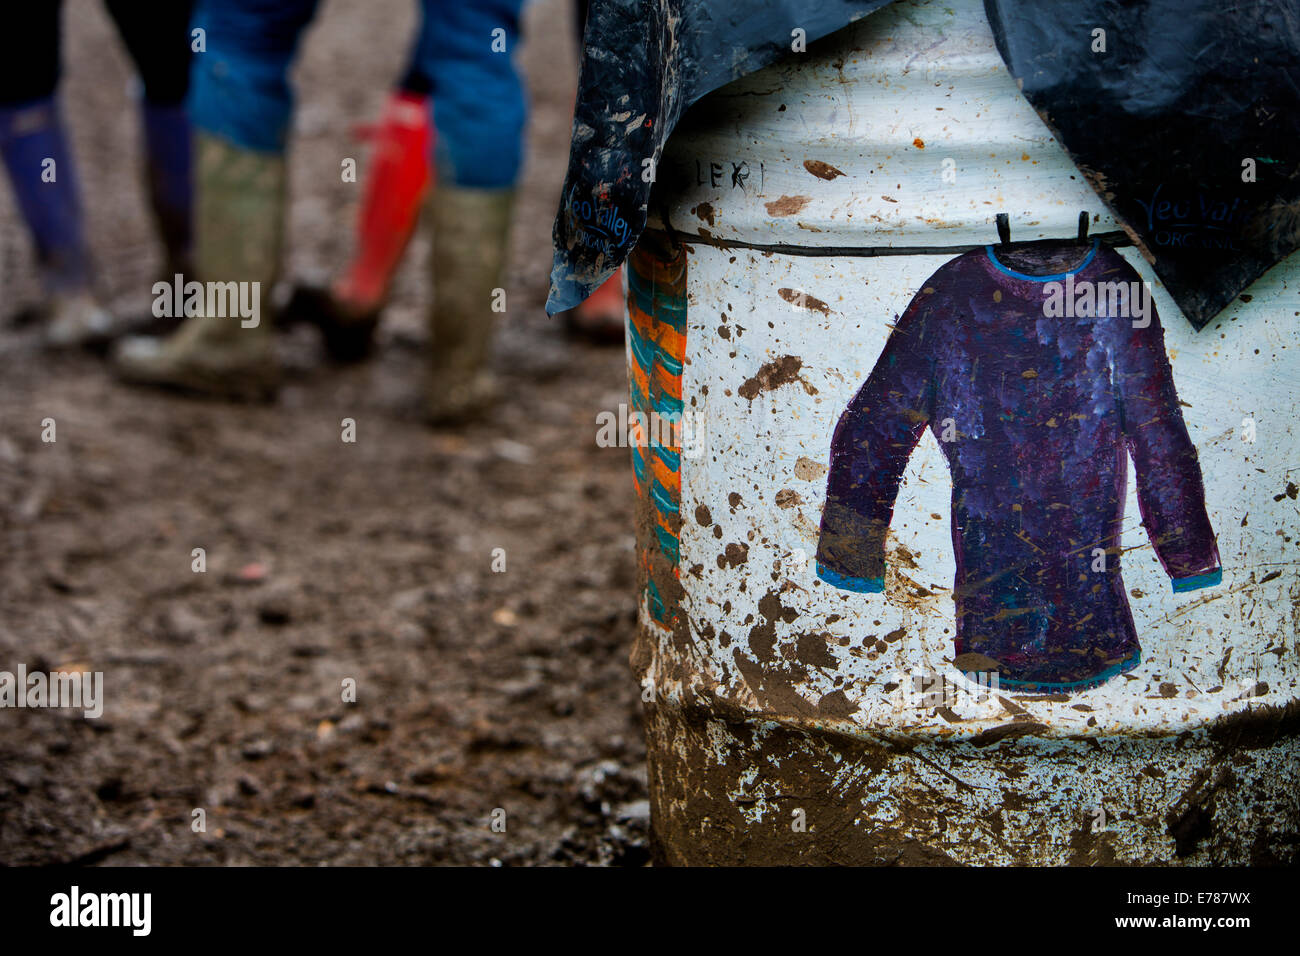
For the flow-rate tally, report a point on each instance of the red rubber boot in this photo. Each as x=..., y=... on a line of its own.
x=400, y=173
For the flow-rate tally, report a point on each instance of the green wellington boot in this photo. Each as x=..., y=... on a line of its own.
x=225, y=348
x=470, y=228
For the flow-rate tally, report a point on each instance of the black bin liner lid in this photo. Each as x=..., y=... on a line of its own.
x=1183, y=115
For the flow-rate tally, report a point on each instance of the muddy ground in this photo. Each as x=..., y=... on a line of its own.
x=325, y=560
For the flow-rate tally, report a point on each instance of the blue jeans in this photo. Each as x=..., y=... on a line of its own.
x=240, y=85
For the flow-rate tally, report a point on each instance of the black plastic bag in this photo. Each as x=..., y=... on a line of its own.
x=1184, y=115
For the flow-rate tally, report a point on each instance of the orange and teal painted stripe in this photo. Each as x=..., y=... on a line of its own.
x=656, y=356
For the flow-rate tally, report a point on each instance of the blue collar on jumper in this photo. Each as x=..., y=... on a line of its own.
x=1051, y=278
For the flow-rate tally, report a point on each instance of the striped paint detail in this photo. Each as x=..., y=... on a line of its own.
x=656, y=356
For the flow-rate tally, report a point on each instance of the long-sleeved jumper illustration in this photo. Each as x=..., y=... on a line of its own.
x=1035, y=411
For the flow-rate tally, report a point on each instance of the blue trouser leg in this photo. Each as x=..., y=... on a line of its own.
x=157, y=36
x=478, y=98
x=170, y=152
x=240, y=84
x=36, y=154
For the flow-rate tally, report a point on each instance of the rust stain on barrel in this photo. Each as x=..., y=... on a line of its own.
x=774, y=374
x=787, y=205
x=803, y=300
x=821, y=170
x=1002, y=732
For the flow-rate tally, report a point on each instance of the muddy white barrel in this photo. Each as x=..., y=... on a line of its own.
x=933, y=570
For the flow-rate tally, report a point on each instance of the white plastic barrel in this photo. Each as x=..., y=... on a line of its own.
x=792, y=718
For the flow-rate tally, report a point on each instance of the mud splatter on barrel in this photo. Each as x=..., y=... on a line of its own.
x=931, y=573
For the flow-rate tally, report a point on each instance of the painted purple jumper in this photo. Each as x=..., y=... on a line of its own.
x=1035, y=415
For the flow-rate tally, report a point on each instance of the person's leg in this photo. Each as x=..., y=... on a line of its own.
x=240, y=84
x=29, y=52
x=479, y=105
x=157, y=36
x=396, y=179
x=240, y=103
x=34, y=144
x=37, y=157
x=398, y=174
x=478, y=111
